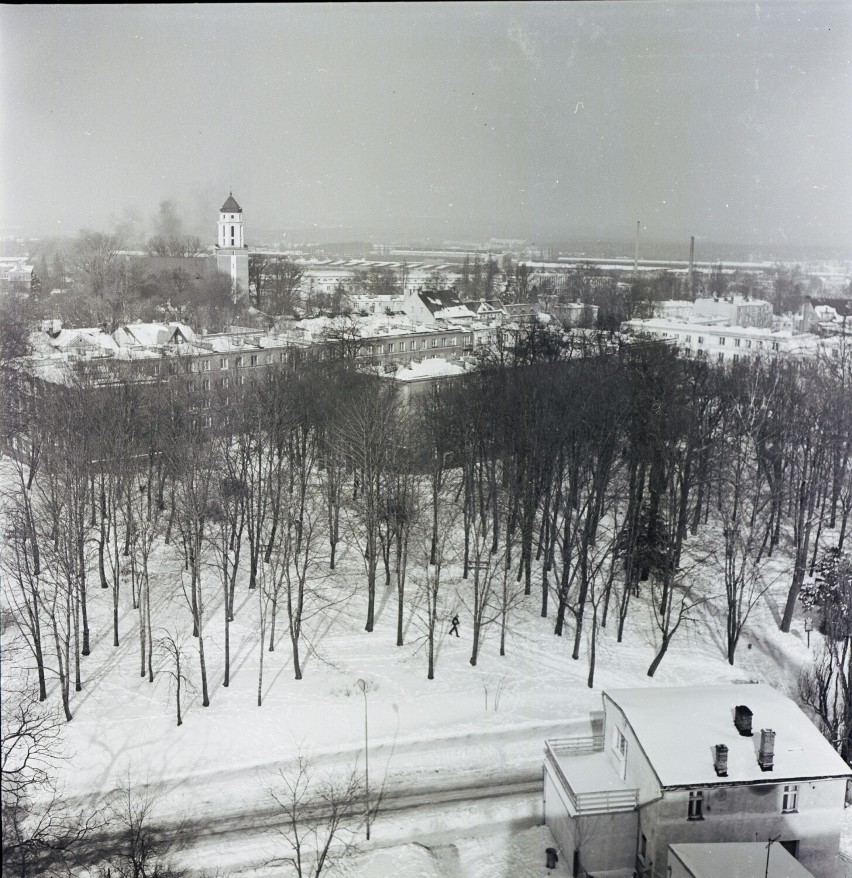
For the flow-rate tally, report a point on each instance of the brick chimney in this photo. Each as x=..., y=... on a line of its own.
x=766, y=755
x=742, y=720
x=720, y=764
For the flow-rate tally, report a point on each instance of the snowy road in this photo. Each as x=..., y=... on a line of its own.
x=431, y=813
x=484, y=779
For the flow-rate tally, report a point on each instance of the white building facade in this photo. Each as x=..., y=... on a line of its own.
x=667, y=766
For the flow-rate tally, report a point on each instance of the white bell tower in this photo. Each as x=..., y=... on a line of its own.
x=231, y=250
x=231, y=225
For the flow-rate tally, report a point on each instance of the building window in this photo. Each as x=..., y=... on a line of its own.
x=468, y=340
x=434, y=342
x=223, y=363
x=736, y=342
x=453, y=341
x=696, y=806
x=224, y=384
x=620, y=744
x=700, y=339
x=238, y=361
x=722, y=340
x=205, y=384
x=155, y=369
x=443, y=342
x=253, y=360
x=389, y=348
x=748, y=342
x=241, y=380
x=205, y=365
x=208, y=421
x=790, y=801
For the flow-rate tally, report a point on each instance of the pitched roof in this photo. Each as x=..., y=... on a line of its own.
x=444, y=303
x=679, y=726
x=230, y=206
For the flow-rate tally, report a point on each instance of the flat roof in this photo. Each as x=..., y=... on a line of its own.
x=745, y=859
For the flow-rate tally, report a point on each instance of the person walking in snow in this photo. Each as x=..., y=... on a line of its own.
x=455, y=626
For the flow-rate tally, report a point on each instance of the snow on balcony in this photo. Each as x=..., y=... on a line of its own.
x=587, y=776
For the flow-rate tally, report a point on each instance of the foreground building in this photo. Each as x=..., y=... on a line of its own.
x=693, y=765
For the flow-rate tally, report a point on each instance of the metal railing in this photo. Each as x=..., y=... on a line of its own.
x=576, y=745
x=595, y=802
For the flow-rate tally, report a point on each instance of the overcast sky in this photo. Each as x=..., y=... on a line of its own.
x=731, y=121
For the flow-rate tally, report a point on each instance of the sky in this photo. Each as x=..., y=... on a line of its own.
x=731, y=121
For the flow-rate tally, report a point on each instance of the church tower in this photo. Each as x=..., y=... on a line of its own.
x=231, y=251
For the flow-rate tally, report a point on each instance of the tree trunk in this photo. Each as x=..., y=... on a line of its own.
x=659, y=657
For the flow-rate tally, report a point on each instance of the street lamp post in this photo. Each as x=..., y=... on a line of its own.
x=362, y=685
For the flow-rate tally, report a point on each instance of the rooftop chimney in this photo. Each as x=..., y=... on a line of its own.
x=766, y=756
x=742, y=720
x=720, y=764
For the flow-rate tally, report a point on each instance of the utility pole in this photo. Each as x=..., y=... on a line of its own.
x=362, y=685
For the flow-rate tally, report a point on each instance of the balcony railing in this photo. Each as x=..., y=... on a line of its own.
x=576, y=746
x=592, y=802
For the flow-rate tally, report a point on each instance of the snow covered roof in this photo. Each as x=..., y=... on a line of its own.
x=152, y=334
x=678, y=728
x=741, y=859
x=446, y=301
x=437, y=368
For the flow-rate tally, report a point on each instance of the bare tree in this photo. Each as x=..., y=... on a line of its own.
x=282, y=279
x=141, y=851
x=21, y=583
x=38, y=830
x=366, y=430
x=318, y=822
x=171, y=647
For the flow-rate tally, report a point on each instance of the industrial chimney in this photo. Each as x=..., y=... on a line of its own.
x=742, y=720
x=720, y=764
x=766, y=755
x=691, y=263
x=636, y=253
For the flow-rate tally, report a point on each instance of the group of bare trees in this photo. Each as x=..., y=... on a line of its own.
x=611, y=481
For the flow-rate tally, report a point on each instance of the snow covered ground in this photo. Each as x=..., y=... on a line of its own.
x=469, y=725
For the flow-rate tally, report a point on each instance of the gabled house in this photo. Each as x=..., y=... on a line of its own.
x=153, y=335
x=429, y=306
x=687, y=765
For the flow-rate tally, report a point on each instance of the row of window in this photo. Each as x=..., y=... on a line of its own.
x=240, y=361
x=412, y=344
x=789, y=802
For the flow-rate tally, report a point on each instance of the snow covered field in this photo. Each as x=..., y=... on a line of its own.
x=468, y=727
